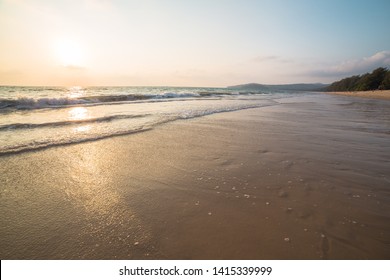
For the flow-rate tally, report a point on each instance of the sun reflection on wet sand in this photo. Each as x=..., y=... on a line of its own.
x=110, y=223
x=90, y=188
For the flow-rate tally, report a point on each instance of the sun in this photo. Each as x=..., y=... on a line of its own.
x=70, y=53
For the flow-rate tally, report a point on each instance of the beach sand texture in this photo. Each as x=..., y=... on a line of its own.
x=305, y=179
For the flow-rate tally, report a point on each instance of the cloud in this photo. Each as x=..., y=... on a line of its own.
x=265, y=58
x=355, y=67
x=75, y=67
x=269, y=58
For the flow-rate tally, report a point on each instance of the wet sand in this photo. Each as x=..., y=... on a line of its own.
x=307, y=178
x=376, y=94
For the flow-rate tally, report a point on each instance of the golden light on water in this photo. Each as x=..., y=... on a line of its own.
x=78, y=113
x=76, y=92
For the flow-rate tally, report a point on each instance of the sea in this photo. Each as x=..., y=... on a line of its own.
x=41, y=117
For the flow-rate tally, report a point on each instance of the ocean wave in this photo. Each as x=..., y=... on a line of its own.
x=27, y=103
x=67, y=139
x=69, y=122
x=40, y=145
x=31, y=103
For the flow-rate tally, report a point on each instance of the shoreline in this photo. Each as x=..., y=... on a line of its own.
x=374, y=94
x=288, y=181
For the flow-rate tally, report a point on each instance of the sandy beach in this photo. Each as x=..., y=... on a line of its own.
x=307, y=178
x=376, y=94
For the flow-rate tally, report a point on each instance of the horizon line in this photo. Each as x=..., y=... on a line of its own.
x=175, y=86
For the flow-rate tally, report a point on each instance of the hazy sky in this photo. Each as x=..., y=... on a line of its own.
x=190, y=43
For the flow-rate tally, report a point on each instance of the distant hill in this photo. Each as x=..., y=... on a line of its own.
x=379, y=79
x=252, y=86
x=286, y=87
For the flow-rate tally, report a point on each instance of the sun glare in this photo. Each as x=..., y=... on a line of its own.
x=78, y=113
x=70, y=53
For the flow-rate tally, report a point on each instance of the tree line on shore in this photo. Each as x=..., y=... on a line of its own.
x=379, y=79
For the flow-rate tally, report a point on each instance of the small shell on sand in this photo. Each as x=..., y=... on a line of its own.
x=286, y=239
x=209, y=213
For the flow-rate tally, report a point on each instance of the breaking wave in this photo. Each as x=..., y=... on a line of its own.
x=26, y=103
x=68, y=122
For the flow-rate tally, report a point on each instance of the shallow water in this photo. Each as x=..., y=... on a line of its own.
x=36, y=118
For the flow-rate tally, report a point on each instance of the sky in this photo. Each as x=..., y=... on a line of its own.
x=190, y=43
